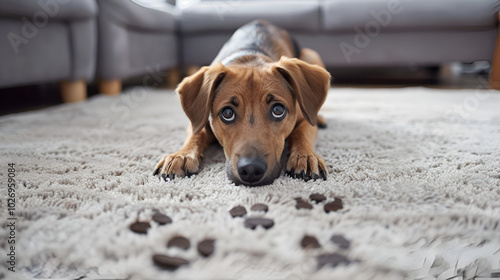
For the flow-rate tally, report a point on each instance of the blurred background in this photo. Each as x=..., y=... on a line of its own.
x=56, y=51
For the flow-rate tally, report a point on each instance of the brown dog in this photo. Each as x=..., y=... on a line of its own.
x=252, y=98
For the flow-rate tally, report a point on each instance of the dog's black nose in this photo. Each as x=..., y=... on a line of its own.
x=251, y=170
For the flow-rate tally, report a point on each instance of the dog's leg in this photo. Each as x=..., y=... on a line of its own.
x=311, y=83
x=303, y=161
x=311, y=56
x=186, y=161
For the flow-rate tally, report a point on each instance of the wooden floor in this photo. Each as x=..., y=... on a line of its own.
x=453, y=76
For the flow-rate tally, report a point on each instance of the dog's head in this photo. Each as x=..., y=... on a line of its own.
x=252, y=111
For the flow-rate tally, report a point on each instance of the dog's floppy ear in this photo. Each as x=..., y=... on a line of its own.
x=197, y=93
x=309, y=83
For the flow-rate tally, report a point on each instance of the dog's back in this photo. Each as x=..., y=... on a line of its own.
x=258, y=37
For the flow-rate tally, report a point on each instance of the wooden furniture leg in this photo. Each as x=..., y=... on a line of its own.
x=495, y=65
x=110, y=87
x=73, y=91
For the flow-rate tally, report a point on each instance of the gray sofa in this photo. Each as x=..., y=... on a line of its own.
x=143, y=37
x=375, y=33
x=354, y=33
x=135, y=38
x=48, y=41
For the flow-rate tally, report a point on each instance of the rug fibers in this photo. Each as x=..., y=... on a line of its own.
x=418, y=171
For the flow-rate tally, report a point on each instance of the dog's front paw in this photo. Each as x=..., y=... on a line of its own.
x=306, y=166
x=179, y=164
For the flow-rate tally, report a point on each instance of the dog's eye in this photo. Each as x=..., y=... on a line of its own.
x=278, y=111
x=227, y=115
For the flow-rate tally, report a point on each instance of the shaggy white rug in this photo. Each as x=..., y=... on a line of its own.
x=417, y=170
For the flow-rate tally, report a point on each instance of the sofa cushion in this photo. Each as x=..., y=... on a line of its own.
x=227, y=16
x=156, y=16
x=342, y=16
x=42, y=10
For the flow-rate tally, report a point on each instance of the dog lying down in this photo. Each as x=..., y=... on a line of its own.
x=252, y=98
